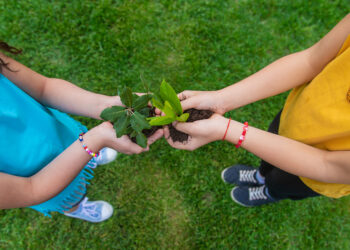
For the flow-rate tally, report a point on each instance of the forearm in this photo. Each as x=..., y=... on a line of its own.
x=281, y=75
x=64, y=168
x=57, y=93
x=63, y=95
x=287, y=72
x=290, y=155
x=25, y=191
x=52, y=179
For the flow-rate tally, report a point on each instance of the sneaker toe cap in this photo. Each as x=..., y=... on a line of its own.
x=111, y=154
x=106, y=210
x=238, y=195
x=229, y=175
x=107, y=155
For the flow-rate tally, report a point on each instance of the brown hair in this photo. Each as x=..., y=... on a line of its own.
x=5, y=47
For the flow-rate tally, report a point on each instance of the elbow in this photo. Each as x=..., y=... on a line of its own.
x=334, y=171
x=34, y=196
x=38, y=192
x=42, y=92
x=313, y=63
x=325, y=168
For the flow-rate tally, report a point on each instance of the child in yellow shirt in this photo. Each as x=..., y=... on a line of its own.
x=306, y=152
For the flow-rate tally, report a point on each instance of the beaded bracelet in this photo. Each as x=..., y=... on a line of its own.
x=242, y=137
x=85, y=147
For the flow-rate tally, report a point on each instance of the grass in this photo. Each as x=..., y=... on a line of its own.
x=167, y=198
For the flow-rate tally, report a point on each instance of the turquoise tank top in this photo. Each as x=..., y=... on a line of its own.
x=32, y=135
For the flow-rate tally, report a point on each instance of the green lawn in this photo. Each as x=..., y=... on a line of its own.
x=167, y=198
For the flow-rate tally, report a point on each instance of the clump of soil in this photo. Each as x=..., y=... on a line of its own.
x=151, y=131
x=195, y=115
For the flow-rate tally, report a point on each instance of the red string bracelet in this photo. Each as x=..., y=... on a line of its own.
x=86, y=148
x=228, y=125
x=242, y=137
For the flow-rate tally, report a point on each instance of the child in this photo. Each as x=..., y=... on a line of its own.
x=42, y=162
x=307, y=152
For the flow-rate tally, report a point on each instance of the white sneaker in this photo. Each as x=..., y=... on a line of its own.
x=106, y=155
x=92, y=211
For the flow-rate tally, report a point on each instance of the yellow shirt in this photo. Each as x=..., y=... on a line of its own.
x=318, y=114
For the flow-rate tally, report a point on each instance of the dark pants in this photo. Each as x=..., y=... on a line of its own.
x=280, y=184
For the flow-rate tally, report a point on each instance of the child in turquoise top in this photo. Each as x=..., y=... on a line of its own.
x=43, y=165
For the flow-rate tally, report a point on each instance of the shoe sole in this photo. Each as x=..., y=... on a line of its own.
x=234, y=199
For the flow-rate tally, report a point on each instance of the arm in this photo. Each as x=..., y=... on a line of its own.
x=26, y=191
x=285, y=73
x=289, y=155
x=57, y=93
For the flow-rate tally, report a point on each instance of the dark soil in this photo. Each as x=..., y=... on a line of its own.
x=152, y=130
x=195, y=115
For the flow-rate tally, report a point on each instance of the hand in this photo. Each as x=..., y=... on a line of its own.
x=202, y=100
x=123, y=144
x=200, y=132
x=107, y=102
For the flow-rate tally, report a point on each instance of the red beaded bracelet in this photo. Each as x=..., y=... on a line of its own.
x=242, y=137
x=85, y=147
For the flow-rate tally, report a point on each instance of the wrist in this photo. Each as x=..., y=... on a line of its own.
x=220, y=128
x=114, y=101
x=93, y=139
x=222, y=101
x=234, y=132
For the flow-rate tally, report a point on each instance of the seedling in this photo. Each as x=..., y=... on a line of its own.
x=168, y=102
x=131, y=119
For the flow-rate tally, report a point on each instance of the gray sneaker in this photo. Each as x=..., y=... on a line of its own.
x=240, y=175
x=251, y=196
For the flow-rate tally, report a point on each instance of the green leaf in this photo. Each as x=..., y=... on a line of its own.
x=144, y=111
x=139, y=122
x=183, y=117
x=126, y=97
x=121, y=117
x=160, y=120
x=168, y=110
x=113, y=113
x=157, y=101
x=168, y=94
x=122, y=125
x=141, y=101
x=141, y=140
x=129, y=130
x=133, y=134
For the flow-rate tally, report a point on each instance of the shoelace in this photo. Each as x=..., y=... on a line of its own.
x=257, y=193
x=247, y=176
x=88, y=210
